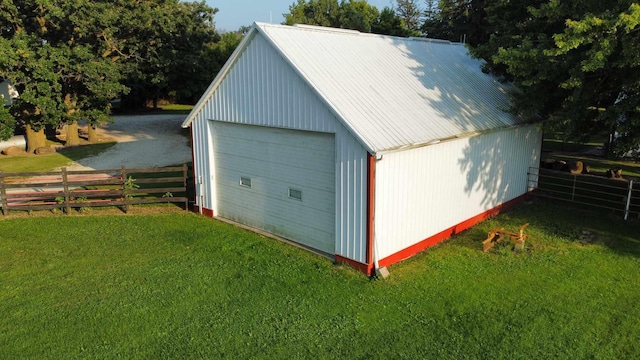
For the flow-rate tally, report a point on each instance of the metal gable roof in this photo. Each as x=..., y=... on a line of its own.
x=394, y=92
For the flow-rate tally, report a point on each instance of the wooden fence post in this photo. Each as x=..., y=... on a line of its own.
x=125, y=196
x=3, y=194
x=185, y=172
x=67, y=194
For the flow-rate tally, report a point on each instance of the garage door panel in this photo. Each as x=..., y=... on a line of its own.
x=311, y=201
x=276, y=172
x=275, y=189
x=276, y=160
x=277, y=154
x=278, y=217
x=302, y=139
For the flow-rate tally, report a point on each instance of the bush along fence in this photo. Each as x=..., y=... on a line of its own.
x=622, y=196
x=66, y=190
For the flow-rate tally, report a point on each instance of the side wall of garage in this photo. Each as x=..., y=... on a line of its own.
x=423, y=192
x=262, y=88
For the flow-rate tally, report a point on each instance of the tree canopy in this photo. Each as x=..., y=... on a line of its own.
x=70, y=59
x=347, y=14
x=575, y=63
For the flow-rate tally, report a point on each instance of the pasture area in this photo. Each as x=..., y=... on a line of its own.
x=179, y=285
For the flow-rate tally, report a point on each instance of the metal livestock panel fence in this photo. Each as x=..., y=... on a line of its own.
x=619, y=195
x=65, y=190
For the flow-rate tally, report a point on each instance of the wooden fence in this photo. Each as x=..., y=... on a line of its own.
x=66, y=190
x=618, y=195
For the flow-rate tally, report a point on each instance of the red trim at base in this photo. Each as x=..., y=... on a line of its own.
x=205, y=211
x=367, y=269
x=416, y=248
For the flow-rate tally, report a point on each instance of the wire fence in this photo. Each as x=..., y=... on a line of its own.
x=621, y=196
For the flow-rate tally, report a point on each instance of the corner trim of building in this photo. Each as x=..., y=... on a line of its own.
x=371, y=206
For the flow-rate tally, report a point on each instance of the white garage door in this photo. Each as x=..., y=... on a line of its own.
x=281, y=181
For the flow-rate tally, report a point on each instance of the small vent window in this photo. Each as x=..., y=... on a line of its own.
x=295, y=194
x=245, y=181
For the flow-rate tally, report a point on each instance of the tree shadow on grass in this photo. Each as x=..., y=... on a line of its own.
x=80, y=152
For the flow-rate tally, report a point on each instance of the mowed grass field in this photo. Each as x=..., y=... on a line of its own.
x=185, y=286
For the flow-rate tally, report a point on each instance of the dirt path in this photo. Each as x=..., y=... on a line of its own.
x=143, y=141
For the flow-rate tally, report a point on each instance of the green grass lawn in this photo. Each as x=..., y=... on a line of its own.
x=29, y=163
x=184, y=286
x=554, y=142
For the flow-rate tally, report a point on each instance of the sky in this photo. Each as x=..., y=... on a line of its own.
x=235, y=13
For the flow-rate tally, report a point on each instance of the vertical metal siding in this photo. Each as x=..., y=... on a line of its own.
x=423, y=191
x=262, y=89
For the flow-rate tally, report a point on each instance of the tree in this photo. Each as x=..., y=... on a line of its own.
x=7, y=123
x=389, y=23
x=456, y=20
x=575, y=63
x=60, y=63
x=189, y=64
x=410, y=12
x=357, y=15
x=164, y=44
x=314, y=12
x=348, y=14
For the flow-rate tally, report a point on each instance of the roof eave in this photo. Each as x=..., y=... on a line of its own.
x=218, y=79
x=468, y=134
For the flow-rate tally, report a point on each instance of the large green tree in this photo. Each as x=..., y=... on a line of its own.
x=410, y=12
x=575, y=63
x=165, y=43
x=59, y=61
x=70, y=59
x=314, y=12
x=389, y=23
x=348, y=14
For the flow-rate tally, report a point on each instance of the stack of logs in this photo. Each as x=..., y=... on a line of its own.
x=574, y=167
x=577, y=167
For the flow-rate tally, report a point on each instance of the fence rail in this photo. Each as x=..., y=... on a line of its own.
x=620, y=196
x=66, y=190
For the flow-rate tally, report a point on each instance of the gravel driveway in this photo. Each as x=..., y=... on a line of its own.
x=142, y=141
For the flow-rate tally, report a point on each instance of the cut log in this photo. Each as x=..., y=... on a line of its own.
x=575, y=167
x=13, y=150
x=45, y=150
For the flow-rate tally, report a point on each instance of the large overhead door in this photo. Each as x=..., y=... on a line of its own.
x=281, y=181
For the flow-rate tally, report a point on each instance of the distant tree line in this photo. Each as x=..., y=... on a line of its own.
x=575, y=63
x=69, y=60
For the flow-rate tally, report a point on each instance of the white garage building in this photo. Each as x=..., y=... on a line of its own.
x=363, y=147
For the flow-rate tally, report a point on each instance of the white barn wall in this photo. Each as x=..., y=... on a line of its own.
x=424, y=191
x=262, y=88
